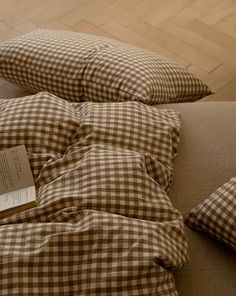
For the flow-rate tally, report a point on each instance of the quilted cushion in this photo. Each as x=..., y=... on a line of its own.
x=106, y=179
x=44, y=123
x=103, y=225
x=78, y=66
x=134, y=126
x=85, y=252
x=217, y=214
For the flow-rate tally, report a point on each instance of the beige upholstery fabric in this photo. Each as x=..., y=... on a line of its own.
x=78, y=66
x=205, y=161
x=217, y=214
x=103, y=225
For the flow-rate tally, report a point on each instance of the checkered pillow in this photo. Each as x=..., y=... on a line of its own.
x=43, y=123
x=150, y=131
x=217, y=214
x=78, y=66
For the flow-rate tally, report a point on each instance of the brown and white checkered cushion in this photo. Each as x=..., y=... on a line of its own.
x=106, y=179
x=44, y=123
x=85, y=252
x=150, y=131
x=217, y=214
x=103, y=225
x=78, y=66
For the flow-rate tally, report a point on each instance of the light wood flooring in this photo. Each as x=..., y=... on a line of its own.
x=200, y=34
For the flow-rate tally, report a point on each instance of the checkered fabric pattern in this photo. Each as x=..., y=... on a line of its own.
x=87, y=253
x=124, y=73
x=77, y=66
x=43, y=123
x=108, y=180
x=103, y=224
x=133, y=126
x=217, y=214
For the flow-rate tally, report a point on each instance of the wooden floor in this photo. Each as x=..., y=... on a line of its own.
x=200, y=34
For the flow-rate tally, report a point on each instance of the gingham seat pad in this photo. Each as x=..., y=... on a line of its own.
x=45, y=124
x=77, y=66
x=103, y=225
x=88, y=253
x=105, y=179
x=136, y=127
x=217, y=214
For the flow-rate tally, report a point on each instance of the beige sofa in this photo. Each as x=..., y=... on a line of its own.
x=206, y=160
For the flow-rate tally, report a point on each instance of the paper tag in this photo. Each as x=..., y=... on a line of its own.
x=17, y=198
x=16, y=180
x=15, y=171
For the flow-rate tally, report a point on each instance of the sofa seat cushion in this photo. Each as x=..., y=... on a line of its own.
x=205, y=161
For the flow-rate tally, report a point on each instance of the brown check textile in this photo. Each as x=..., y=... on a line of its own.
x=103, y=224
x=217, y=214
x=120, y=184
x=136, y=127
x=44, y=123
x=77, y=66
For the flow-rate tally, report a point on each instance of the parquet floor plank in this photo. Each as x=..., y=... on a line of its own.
x=26, y=27
x=218, y=12
x=171, y=43
x=25, y=9
x=112, y=11
x=220, y=77
x=232, y=17
x=139, y=11
x=198, y=71
x=168, y=9
x=88, y=8
x=226, y=27
x=85, y=27
x=127, y=35
x=213, y=34
x=57, y=11
x=7, y=32
x=226, y=93
x=194, y=10
x=197, y=39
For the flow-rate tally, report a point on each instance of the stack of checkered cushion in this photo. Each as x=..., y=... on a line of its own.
x=104, y=224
